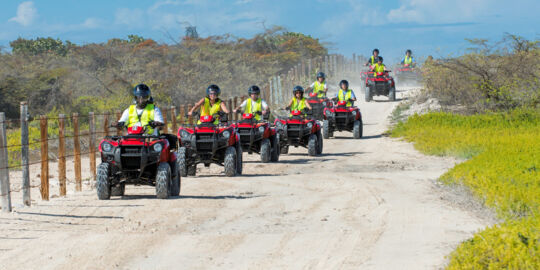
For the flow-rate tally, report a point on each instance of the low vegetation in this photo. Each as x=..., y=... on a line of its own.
x=503, y=171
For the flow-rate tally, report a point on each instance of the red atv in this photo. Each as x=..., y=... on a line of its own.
x=138, y=159
x=208, y=143
x=298, y=131
x=407, y=73
x=340, y=117
x=318, y=105
x=380, y=85
x=259, y=137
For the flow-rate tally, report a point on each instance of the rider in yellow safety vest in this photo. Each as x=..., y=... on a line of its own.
x=144, y=113
x=379, y=67
x=373, y=59
x=211, y=104
x=319, y=87
x=298, y=102
x=408, y=60
x=254, y=105
x=346, y=94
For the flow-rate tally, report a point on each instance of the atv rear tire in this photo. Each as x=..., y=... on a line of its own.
x=118, y=190
x=103, y=185
x=357, y=129
x=319, y=143
x=230, y=161
x=163, y=181
x=182, y=161
x=239, y=159
x=392, y=94
x=312, y=145
x=368, y=96
x=275, y=149
x=284, y=149
x=192, y=170
x=175, y=181
x=266, y=148
x=326, y=129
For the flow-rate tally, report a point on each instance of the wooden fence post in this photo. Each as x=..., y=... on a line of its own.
x=118, y=130
x=25, y=157
x=61, y=155
x=230, y=106
x=44, y=158
x=5, y=192
x=106, y=124
x=190, y=118
x=173, y=119
x=165, y=127
x=77, y=152
x=182, y=113
x=92, y=144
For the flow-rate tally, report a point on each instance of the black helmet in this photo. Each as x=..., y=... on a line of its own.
x=213, y=88
x=376, y=50
x=141, y=93
x=298, y=88
x=321, y=74
x=380, y=58
x=344, y=82
x=141, y=90
x=408, y=52
x=254, y=90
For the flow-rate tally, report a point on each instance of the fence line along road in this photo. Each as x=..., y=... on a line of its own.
x=275, y=90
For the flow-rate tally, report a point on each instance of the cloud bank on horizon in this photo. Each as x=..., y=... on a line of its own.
x=426, y=26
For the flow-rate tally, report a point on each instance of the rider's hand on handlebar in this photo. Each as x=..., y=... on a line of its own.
x=120, y=124
x=190, y=113
x=288, y=108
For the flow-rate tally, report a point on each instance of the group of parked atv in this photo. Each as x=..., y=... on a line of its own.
x=161, y=160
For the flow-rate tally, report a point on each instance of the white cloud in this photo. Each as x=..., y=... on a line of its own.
x=130, y=17
x=26, y=13
x=91, y=23
x=440, y=11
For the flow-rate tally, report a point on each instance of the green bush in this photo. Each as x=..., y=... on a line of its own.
x=503, y=171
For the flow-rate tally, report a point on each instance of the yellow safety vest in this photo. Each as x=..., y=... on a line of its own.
x=347, y=96
x=146, y=116
x=298, y=105
x=408, y=60
x=318, y=89
x=258, y=108
x=373, y=62
x=206, y=109
x=378, y=68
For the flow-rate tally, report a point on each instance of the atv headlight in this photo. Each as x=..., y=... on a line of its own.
x=261, y=129
x=184, y=133
x=309, y=125
x=157, y=147
x=106, y=147
x=226, y=134
x=279, y=125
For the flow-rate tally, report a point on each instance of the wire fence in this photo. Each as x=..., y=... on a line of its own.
x=41, y=140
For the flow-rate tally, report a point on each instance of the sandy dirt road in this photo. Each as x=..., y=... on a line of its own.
x=364, y=204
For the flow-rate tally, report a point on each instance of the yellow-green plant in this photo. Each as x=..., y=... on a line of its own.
x=503, y=170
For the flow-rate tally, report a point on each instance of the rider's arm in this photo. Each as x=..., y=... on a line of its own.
x=224, y=107
x=197, y=105
x=264, y=107
x=310, y=87
x=125, y=116
x=353, y=96
x=290, y=103
x=242, y=106
x=307, y=105
x=158, y=116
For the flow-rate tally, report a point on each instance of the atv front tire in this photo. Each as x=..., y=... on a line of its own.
x=392, y=94
x=239, y=159
x=266, y=148
x=357, y=129
x=103, y=185
x=312, y=145
x=368, y=96
x=163, y=181
x=275, y=149
x=319, y=143
x=181, y=161
x=175, y=181
x=230, y=161
x=326, y=129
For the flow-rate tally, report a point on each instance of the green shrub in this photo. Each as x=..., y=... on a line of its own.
x=503, y=171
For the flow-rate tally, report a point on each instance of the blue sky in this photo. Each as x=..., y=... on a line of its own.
x=427, y=27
